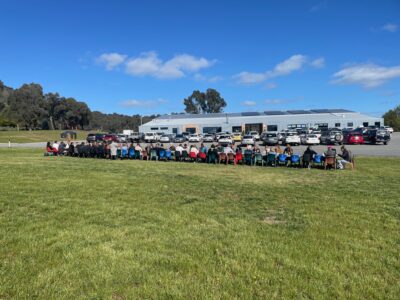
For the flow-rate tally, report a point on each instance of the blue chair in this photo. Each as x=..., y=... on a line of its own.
x=282, y=159
x=295, y=160
x=248, y=157
x=168, y=155
x=124, y=153
x=318, y=160
x=131, y=153
x=161, y=154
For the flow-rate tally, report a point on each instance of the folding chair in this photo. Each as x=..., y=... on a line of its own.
x=258, y=159
x=295, y=160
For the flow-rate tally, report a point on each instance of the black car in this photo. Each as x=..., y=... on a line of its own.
x=374, y=136
x=332, y=136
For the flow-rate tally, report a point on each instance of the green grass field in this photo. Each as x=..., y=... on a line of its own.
x=95, y=229
x=24, y=136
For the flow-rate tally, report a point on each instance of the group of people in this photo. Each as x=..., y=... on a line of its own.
x=183, y=152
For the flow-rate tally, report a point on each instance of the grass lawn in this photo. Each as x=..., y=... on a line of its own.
x=24, y=136
x=94, y=229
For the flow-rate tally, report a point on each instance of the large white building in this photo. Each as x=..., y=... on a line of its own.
x=258, y=121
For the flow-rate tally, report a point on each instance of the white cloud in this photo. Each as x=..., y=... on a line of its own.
x=212, y=79
x=142, y=103
x=275, y=101
x=367, y=75
x=288, y=66
x=270, y=85
x=318, y=63
x=319, y=6
x=250, y=78
x=249, y=103
x=111, y=60
x=391, y=27
x=148, y=64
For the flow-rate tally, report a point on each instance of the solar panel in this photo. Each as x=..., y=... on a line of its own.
x=274, y=112
x=299, y=112
x=330, y=111
x=250, y=113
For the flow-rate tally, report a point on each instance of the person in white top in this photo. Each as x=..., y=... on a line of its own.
x=179, y=148
x=138, y=148
x=55, y=146
x=228, y=149
x=194, y=149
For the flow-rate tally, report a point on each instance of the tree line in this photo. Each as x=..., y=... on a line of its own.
x=29, y=108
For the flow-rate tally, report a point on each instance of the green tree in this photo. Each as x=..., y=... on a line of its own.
x=392, y=118
x=204, y=103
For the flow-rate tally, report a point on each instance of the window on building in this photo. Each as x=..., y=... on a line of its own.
x=365, y=124
x=212, y=130
x=321, y=125
x=191, y=130
x=293, y=126
x=350, y=124
x=154, y=128
x=174, y=130
x=164, y=128
x=236, y=128
x=378, y=124
x=272, y=127
x=337, y=125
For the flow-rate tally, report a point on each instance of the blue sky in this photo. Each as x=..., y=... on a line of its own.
x=146, y=56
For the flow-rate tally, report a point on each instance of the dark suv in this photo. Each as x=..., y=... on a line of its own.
x=332, y=136
x=374, y=136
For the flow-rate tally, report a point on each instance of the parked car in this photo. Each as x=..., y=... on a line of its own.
x=332, y=136
x=237, y=136
x=255, y=134
x=388, y=128
x=121, y=138
x=248, y=140
x=110, y=137
x=374, y=136
x=270, y=138
x=292, y=138
x=150, y=137
x=179, y=138
x=186, y=135
x=194, y=138
x=136, y=137
x=310, y=139
x=225, y=139
x=353, y=138
x=165, y=138
x=91, y=137
x=317, y=133
x=208, y=138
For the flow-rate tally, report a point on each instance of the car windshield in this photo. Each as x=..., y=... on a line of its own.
x=312, y=136
x=271, y=135
x=248, y=137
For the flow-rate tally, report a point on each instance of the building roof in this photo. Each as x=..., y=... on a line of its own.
x=254, y=113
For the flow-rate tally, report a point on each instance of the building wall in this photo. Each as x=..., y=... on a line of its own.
x=281, y=121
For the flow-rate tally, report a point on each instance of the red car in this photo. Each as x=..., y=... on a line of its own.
x=110, y=137
x=354, y=138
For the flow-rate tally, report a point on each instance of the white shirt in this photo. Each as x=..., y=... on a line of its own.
x=179, y=149
x=55, y=146
x=138, y=148
x=194, y=150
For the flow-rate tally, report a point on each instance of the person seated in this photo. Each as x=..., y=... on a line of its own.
x=138, y=147
x=55, y=147
x=193, y=149
x=228, y=149
x=179, y=149
x=345, y=157
x=308, y=156
x=49, y=148
x=249, y=147
x=203, y=148
x=61, y=148
x=172, y=147
x=331, y=152
x=71, y=149
x=278, y=149
x=288, y=150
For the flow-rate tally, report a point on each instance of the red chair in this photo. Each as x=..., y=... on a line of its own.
x=203, y=156
x=193, y=156
x=239, y=157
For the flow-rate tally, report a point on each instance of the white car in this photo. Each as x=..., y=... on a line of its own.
x=388, y=128
x=248, y=140
x=151, y=137
x=317, y=133
x=310, y=139
x=255, y=135
x=292, y=139
x=208, y=138
x=194, y=138
x=165, y=138
x=225, y=139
